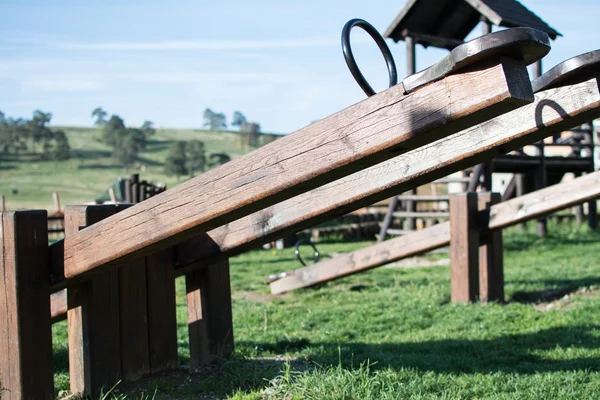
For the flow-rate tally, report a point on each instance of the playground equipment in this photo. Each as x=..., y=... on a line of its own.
x=118, y=263
x=467, y=260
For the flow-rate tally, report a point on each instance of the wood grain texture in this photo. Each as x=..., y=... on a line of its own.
x=133, y=322
x=26, y=369
x=545, y=201
x=367, y=133
x=575, y=104
x=93, y=317
x=364, y=259
x=464, y=248
x=58, y=306
x=210, y=323
x=162, y=308
x=491, y=260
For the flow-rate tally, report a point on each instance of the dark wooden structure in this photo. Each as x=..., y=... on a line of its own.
x=445, y=24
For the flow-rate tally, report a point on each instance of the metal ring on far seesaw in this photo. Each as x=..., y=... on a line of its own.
x=349, y=57
x=297, y=252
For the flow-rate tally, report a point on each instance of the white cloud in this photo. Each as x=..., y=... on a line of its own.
x=58, y=85
x=319, y=41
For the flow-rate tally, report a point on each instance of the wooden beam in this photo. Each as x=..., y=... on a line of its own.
x=464, y=248
x=374, y=130
x=504, y=133
x=26, y=369
x=502, y=215
x=491, y=261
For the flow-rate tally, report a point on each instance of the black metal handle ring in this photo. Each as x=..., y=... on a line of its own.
x=349, y=57
x=297, y=252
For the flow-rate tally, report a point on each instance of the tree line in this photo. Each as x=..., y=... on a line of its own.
x=189, y=158
x=126, y=142
x=18, y=135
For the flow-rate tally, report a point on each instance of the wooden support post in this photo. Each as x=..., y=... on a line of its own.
x=128, y=191
x=592, y=214
x=209, y=314
x=491, y=261
x=26, y=370
x=2, y=203
x=162, y=317
x=387, y=221
x=464, y=248
x=93, y=317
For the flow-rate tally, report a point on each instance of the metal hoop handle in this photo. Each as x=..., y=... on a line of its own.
x=349, y=57
x=297, y=252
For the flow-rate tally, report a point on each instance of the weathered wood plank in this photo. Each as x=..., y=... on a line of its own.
x=497, y=136
x=58, y=306
x=210, y=322
x=162, y=317
x=93, y=317
x=364, y=259
x=491, y=262
x=545, y=201
x=367, y=133
x=26, y=369
x=502, y=215
x=133, y=314
x=464, y=248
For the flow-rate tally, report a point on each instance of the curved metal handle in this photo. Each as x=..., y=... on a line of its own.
x=349, y=57
x=297, y=252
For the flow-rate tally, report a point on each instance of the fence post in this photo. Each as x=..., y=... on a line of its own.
x=210, y=322
x=93, y=316
x=26, y=370
x=464, y=248
x=491, y=268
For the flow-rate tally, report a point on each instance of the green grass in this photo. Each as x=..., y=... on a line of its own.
x=392, y=333
x=91, y=168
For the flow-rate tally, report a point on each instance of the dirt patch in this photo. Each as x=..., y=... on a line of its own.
x=567, y=301
x=258, y=297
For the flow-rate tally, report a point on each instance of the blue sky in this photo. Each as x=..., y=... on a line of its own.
x=279, y=63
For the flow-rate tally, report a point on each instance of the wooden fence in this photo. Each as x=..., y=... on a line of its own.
x=118, y=263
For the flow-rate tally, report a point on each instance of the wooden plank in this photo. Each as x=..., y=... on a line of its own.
x=162, y=317
x=545, y=201
x=423, y=197
x=58, y=306
x=374, y=130
x=133, y=313
x=370, y=257
x=210, y=322
x=491, y=262
x=26, y=369
x=464, y=248
x=497, y=136
x=93, y=317
x=502, y=215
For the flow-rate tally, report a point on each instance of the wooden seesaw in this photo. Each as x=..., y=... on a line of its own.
x=118, y=263
x=477, y=270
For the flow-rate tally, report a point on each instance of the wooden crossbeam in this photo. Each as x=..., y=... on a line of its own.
x=372, y=131
x=502, y=215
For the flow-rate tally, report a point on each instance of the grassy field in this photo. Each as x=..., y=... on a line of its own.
x=91, y=168
x=391, y=333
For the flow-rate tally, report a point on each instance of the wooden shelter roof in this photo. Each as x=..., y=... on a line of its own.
x=446, y=23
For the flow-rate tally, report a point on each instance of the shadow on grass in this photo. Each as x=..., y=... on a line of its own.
x=526, y=241
x=558, y=289
x=90, y=154
x=508, y=354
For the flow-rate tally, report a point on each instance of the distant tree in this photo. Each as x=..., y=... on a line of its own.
x=215, y=121
x=217, y=159
x=148, y=128
x=113, y=130
x=38, y=130
x=1, y=116
x=62, y=150
x=251, y=132
x=238, y=119
x=126, y=150
x=100, y=116
x=196, y=157
x=176, y=159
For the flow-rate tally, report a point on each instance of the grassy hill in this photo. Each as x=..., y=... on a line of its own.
x=28, y=182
